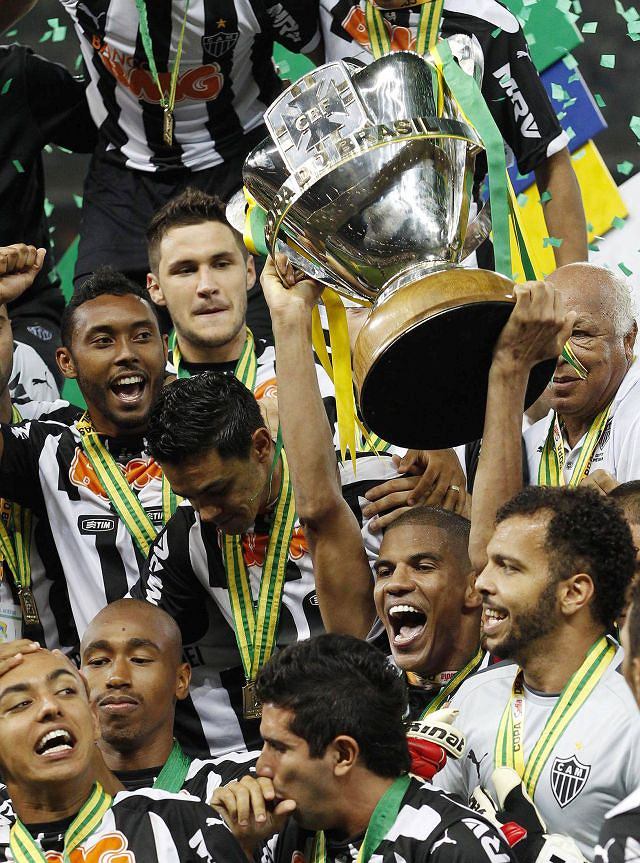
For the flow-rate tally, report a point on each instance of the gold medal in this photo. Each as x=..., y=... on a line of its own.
x=167, y=126
x=28, y=605
x=251, y=707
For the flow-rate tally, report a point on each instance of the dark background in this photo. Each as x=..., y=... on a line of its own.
x=619, y=87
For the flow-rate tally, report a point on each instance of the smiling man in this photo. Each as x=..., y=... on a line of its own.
x=559, y=562
x=595, y=418
x=89, y=479
x=60, y=809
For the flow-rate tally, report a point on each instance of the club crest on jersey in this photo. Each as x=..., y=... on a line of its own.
x=219, y=44
x=568, y=778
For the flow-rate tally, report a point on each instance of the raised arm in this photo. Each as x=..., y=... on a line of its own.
x=563, y=212
x=342, y=573
x=536, y=330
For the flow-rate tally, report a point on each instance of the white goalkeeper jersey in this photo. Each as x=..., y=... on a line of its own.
x=594, y=765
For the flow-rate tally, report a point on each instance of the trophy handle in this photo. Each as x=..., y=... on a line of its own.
x=477, y=231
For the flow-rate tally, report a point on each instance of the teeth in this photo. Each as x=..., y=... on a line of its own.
x=492, y=614
x=404, y=609
x=60, y=734
x=134, y=379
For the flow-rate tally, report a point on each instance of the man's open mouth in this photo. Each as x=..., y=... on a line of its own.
x=129, y=388
x=407, y=623
x=55, y=742
x=492, y=619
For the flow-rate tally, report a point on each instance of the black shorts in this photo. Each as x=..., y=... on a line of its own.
x=118, y=204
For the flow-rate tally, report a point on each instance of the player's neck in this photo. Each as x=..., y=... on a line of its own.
x=549, y=665
x=358, y=802
x=44, y=802
x=271, y=489
x=106, y=426
x=575, y=428
x=463, y=646
x=213, y=354
x=149, y=752
x=6, y=411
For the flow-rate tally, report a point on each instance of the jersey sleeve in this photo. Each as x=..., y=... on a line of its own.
x=205, y=776
x=519, y=103
x=19, y=466
x=470, y=839
x=168, y=579
x=619, y=840
x=295, y=24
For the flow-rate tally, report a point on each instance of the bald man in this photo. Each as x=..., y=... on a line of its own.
x=131, y=656
x=594, y=423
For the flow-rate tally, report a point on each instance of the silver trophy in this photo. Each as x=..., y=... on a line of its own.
x=367, y=181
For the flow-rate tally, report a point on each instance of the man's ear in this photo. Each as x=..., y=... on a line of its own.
x=343, y=752
x=635, y=675
x=155, y=291
x=472, y=597
x=629, y=342
x=66, y=364
x=251, y=272
x=183, y=679
x=575, y=593
x=262, y=443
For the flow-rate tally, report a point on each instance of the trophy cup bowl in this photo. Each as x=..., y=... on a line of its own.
x=367, y=181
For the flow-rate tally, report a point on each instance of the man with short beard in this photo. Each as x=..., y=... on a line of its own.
x=559, y=562
x=87, y=477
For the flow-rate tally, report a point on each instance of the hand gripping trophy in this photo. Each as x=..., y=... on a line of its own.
x=367, y=180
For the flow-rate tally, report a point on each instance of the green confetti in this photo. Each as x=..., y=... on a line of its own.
x=593, y=247
x=495, y=33
x=5, y=86
x=634, y=125
x=545, y=196
x=625, y=168
x=578, y=155
x=625, y=269
x=608, y=61
x=570, y=133
x=589, y=26
x=633, y=27
x=17, y=165
x=618, y=223
x=78, y=62
x=48, y=207
x=78, y=200
x=45, y=36
x=558, y=93
x=11, y=33
x=556, y=242
x=522, y=199
x=570, y=61
x=590, y=227
x=599, y=100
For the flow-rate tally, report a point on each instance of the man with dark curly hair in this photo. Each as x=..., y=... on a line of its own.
x=559, y=563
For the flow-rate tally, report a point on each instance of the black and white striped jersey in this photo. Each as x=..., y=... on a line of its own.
x=225, y=82
x=185, y=575
x=44, y=468
x=511, y=86
x=145, y=826
x=430, y=826
x=203, y=776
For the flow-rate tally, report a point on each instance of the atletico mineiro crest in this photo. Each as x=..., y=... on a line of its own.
x=568, y=778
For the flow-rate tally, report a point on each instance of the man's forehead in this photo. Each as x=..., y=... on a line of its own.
x=407, y=539
x=37, y=667
x=186, y=241
x=519, y=532
x=110, y=310
x=589, y=297
x=129, y=625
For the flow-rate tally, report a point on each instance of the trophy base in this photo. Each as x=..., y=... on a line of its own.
x=422, y=359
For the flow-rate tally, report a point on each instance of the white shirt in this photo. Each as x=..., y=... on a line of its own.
x=617, y=452
x=594, y=765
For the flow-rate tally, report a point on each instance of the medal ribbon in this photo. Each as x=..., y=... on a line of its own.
x=167, y=102
x=15, y=546
x=246, y=369
x=447, y=692
x=550, y=469
x=171, y=777
x=256, y=629
x=427, y=35
x=25, y=849
x=383, y=818
x=123, y=498
x=509, y=748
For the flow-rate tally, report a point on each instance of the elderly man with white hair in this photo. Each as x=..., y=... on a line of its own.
x=594, y=424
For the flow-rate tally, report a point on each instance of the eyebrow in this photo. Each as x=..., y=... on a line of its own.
x=109, y=328
x=414, y=558
x=188, y=260
x=105, y=644
x=25, y=687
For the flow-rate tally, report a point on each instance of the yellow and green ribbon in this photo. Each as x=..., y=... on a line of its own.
x=426, y=37
x=25, y=849
x=256, y=627
x=122, y=497
x=509, y=748
x=551, y=467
